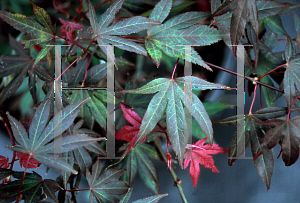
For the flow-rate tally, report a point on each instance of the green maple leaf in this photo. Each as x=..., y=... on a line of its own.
x=32, y=187
x=170, y=97
x=106, y=187
x=107, y=35
x=151, y=199
x=139, y=162
x=38, y=32
x=172, y=35
x=81, y=155
x=10, y=64
x=40, y=134
x=96, y=106
x=291, y=81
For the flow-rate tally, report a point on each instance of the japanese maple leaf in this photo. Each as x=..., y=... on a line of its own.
x=170, y=96
x=130, y=133
x=199, y=154
x=68, y=29
x=4, y=162
x=32, y=163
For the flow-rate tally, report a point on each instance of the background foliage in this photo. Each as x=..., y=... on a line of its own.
x=145, y=34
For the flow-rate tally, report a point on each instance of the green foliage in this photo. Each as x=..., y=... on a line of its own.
x=143, y=31
x=169, y=98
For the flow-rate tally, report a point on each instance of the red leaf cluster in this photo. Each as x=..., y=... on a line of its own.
x=130, y=133
x=4, y=162
x=68, y=29
x=23, y=157
x=200, y=154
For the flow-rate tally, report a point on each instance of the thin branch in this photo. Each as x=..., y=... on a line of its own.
x=22, y=180
x=271, y=71
x=253, y=99
x=118, y=20
x=290, y=110
x=177, y=182
x=246, y=77
x=293, y=39
x=11, y=139
x=77, y=59
x=83, y=14
x=175, y=68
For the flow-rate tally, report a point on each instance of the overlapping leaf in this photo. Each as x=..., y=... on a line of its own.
x=252, y=11
x=138, y=102
x=105, y=187
x=271, y=8
x=40, y=134
x=286, y=132
x=170, y=37
x=274, y=23
x=170, y=97
x=11, y=64
x=36, y=32
x=265, y=8
x=151, y=199
x=244, y=11
x=32, y=187
x=297, y=27
x=96, y=106
x=269, y=94
x=141, y=157
x=107, y=34
x=292, y=79
x=254, y=133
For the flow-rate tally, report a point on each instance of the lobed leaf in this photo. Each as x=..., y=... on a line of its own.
x=42, y=17
x=152, y=199
x=274, y=23
x=291, y=79
x=105, y=187
x=169, y=97
x=129, y=26
x=161, y=10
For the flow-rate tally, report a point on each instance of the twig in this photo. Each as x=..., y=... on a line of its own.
x=11, y=139
x=246, y=77
x=175, y=68
x=22, y=180
x=177, y=182
x=254, y=95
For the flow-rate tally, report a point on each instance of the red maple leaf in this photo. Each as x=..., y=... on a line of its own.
x=199, y=154
x=23, y=157
x=130, y=133
x=4, y=162
x=68, y=29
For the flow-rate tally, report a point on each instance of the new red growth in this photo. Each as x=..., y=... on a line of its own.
x=68, y=29
x=4, y=162
x=130, y=133
x=23, y=157
x=200, y=154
